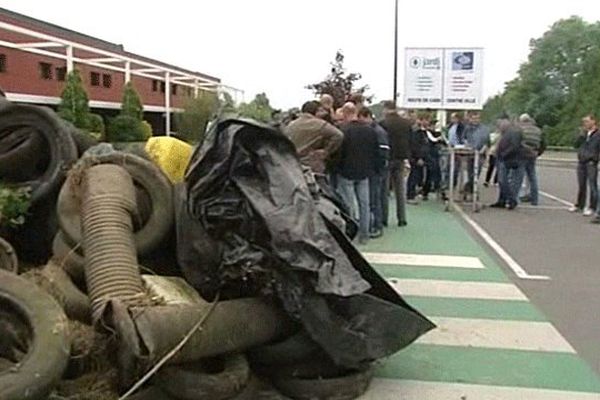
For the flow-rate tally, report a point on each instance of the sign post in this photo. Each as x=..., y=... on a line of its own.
x=443, y=78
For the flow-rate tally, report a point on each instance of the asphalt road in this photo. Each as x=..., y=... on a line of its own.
x=551, y=241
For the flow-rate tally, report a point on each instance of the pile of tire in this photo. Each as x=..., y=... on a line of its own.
x=37, y=148
x=299, y=369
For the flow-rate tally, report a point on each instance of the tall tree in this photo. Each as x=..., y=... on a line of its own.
x=131, y=104
x=197, y=112
x=74, y=104
x=340, y=84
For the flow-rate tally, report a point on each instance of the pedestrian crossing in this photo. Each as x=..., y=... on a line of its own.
x=491, y=342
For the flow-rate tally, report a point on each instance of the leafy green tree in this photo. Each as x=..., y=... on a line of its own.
x=340, y=84
x=493, y=109
x=197, y=112
x=259, y=109
x=559, y=80
x=74, y=105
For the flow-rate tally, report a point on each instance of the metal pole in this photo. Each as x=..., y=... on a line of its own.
x=127, y=71
x=168, y=103
x=395, y=52
x=70, y=65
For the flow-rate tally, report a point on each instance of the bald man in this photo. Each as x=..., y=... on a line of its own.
x=359, y=160
x=327, y=105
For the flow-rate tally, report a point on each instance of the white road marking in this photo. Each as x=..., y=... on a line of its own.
x=556, y=198
x=561, y=208
x=457, y=289
x=503, y=254
x=497, y=334
x=392, y=389
x=424, y=260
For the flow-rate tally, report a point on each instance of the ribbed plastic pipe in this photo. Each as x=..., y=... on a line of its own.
x=111, y=266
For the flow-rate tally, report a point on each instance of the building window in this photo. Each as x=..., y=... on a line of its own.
x=174, y=89
x=2, y=62
x=45, y=71
x=94, y=78
x=162, y=87
x=61, y=73
x=154, y=85
x=106, y=80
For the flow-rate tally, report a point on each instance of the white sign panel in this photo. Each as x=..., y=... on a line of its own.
x=423, y=78
x=443, y=78
x=463, y=78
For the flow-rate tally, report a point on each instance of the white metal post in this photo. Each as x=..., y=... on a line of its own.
x=127, y=71
x=168, y=103
x=70, y=58
x=196, y=90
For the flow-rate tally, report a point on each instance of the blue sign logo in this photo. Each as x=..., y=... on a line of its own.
x=463, y=61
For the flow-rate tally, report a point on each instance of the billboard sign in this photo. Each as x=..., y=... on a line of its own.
x=443, y=78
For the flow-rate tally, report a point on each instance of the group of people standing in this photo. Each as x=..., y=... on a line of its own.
x=364, y=158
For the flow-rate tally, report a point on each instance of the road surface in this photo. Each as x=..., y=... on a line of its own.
x=499, y=336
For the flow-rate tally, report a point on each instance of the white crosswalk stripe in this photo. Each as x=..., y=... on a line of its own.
x=457, y=289
x=391, y=389
x=499, y=334
x=424, y=260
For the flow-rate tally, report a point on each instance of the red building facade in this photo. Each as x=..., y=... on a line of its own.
x=35, y=57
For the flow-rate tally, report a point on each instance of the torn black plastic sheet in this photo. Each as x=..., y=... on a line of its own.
x=247, y=192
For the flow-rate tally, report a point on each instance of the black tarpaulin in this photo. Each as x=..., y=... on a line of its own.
x=246, y=191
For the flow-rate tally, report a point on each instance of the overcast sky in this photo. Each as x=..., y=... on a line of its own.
x=281, y=46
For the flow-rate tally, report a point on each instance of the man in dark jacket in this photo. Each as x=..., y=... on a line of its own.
x=511, y=164
x=588, y=153
x=419, y=155
x=359, y=160
x=398, y=129
x=376, y=181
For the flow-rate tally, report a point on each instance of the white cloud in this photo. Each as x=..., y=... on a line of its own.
x=280, y=46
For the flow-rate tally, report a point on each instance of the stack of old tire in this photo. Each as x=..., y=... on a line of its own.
x=49, y=311
x=36, y=151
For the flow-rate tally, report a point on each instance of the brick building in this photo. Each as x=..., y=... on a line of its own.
x=35, y=57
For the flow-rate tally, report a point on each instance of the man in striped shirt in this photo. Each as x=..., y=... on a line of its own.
x=533, y=141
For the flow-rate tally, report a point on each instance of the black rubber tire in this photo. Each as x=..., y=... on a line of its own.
x=72, y=261
x=190, y=382
x=61, y=147
x=151, y=393
x=56, y=282
x=8, y=257
x=294, y=349
x=147, y=177
x=307, y=382
x=19, y=154
x=48, y=352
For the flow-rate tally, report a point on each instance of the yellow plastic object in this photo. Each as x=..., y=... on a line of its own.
x=171, y=155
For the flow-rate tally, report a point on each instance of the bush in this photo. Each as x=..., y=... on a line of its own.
x=124, y=128
x=14, y=204
x=96, y=125
x=147, y=129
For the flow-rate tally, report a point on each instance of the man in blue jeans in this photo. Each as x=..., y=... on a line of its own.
x=533, y=141
x=379, y=179
x=359, y=160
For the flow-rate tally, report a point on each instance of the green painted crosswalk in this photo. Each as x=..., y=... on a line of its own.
x=491, y=342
